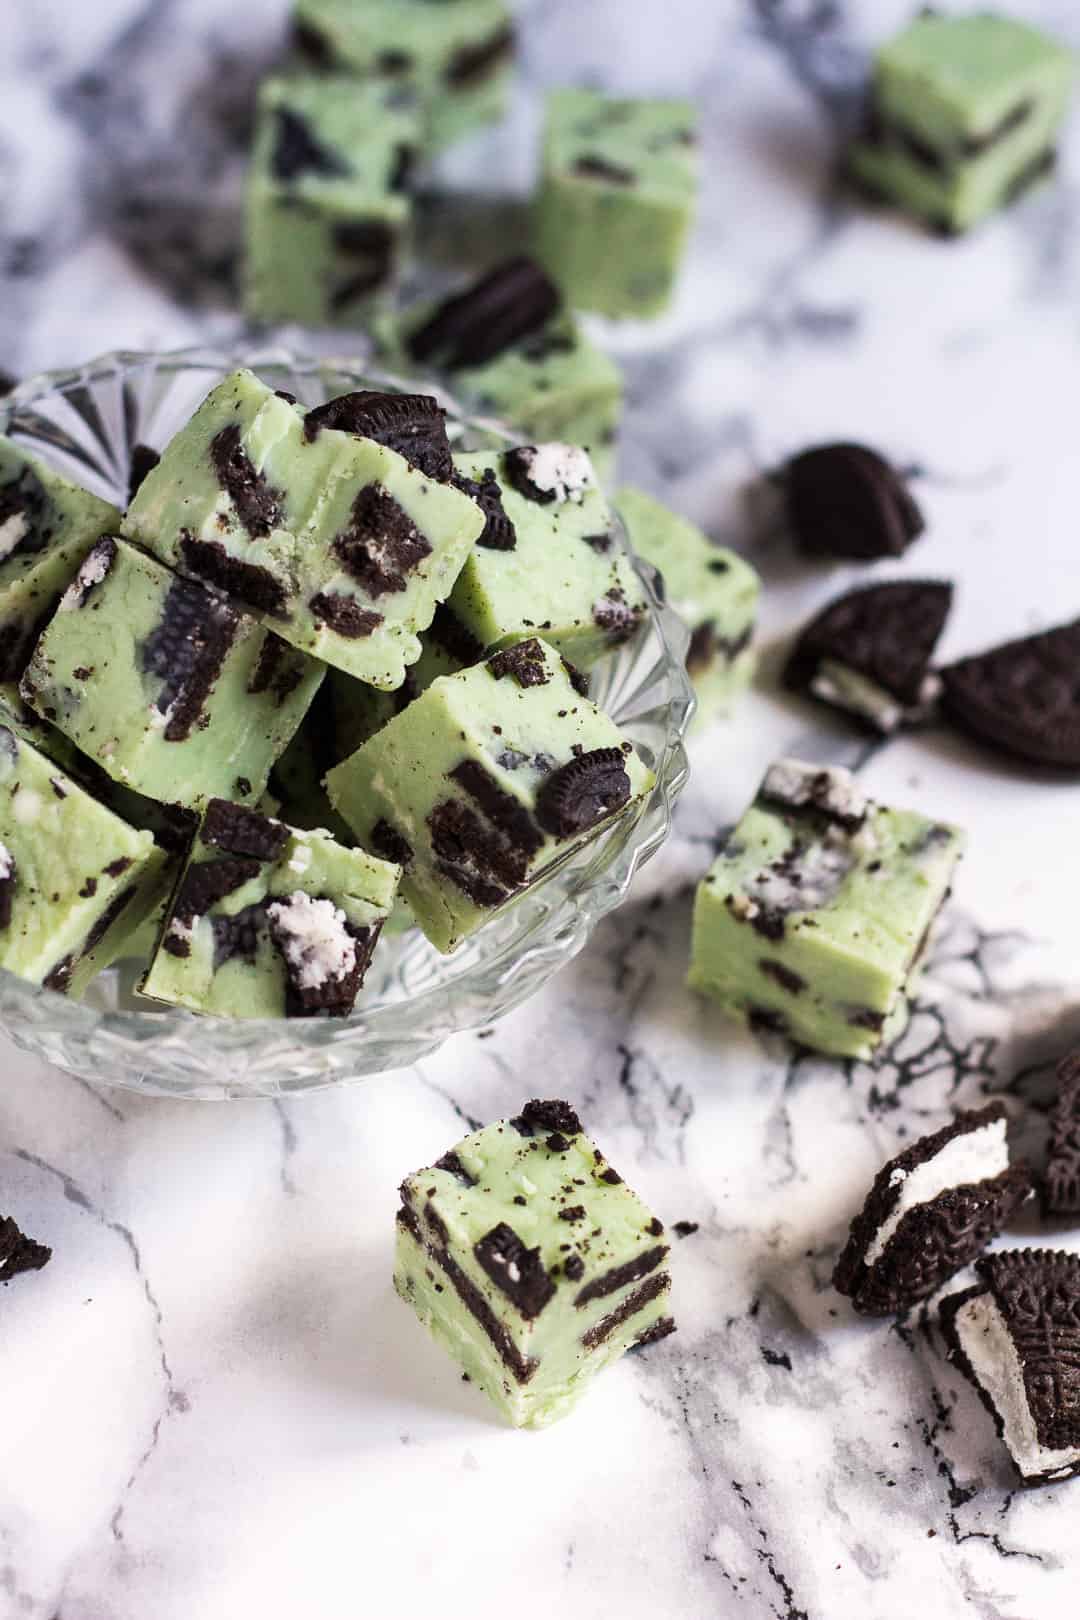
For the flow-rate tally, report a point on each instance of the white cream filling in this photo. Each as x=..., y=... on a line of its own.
x=26, y=806
x=977, y=1155
x=562, y=470
x=836, y=683
x=92, y=572
x=830, y=788
x=989, y=1347
x=316, y=943
x=12, y=533
x=7, y=862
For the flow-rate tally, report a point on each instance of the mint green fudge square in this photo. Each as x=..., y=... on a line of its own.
x=269, y=921
x=531, y=1262
x=292, y=519
x=328, y=215
x=483, y=782
x=452, y=60
x=616, y=200
x=76, y=880
x=814, y=917
x=965, y=113
x=549, y=563
x=166, y=687
x=710, y=587
x=47, y=525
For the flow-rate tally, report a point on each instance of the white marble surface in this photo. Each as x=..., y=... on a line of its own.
x=213, y=1406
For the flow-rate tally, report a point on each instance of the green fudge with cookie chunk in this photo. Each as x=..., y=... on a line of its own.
x=815, y=915
x=965, y=113
x=510, y=349
x=483, y=783
x=47, y=525
x=338, y=524
x=269, y=921
x=531, y=1262
x=616, y=199
x=76, y=880
x=710, y=587
x=165, y=686
x=452, y=61
x=328, y=214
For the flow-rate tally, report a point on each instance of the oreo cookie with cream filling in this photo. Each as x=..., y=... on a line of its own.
x=930, y=1212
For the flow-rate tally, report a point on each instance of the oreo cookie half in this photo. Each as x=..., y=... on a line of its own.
x=1022, y=698
x=509, y=304
x=1061, y=1183
x=846, y=500
x=930, y=1211
x=868, y=653
x=1016, y=1337
x=412, y=424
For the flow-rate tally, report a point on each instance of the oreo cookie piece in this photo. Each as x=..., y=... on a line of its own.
x=868, y=653
x=498, y=533
x=240, y=831
x=516, y=1270
x=144, y=458
x=297, y=150
x=1016, y=1337
x=507, y=305
x=846, y=500
x=412, y=424
x=18, y=1252
x=930, y=1211
x=1061, y=1182
x=382, y=545
x=583, y=792
x=1023, y=698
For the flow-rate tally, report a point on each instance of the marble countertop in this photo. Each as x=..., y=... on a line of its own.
x=214, y=1406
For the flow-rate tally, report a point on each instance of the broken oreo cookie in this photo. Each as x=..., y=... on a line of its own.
x=509, y=303
x=846, y=500
x=1061, y=1182
x=18, y=1252
x=1022, y=698
x=581, y=793
x=412, y=424
x=930, y=1211
x=1016, y=1337
x=868, y=653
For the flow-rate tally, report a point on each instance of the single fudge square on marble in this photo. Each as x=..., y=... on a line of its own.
x=965, y=113
x=548, y=561
x=814, y=917
x=167, y=687
x=328, y=212
x=452, y=61
x=315, y=519
x=513, y=351
x=484, y=781
x=616, y=199
x=710, y=587
x=76, y=880
x=531, y=1262
x=47, y=525
x=269, y=921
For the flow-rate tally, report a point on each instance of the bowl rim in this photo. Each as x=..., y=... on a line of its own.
x=602, y=883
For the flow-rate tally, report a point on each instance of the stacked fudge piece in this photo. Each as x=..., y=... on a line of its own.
x=193, y=674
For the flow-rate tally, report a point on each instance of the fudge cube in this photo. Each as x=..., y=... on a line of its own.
x=452, y=60
x=512, y=351
x=548, y=561
x=75, y=880
x=616, y=199
x=47, y=525
x=328, y=216
x=483, y=782
x=965, y=113
x=334, y=535
x=269, y=921
x=529, y=1259
x=166, y=686
x=710, y=587
x=813, y=919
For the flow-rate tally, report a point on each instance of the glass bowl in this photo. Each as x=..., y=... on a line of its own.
x=85, y=422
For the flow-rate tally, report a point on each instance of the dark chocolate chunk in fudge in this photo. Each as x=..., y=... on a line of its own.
x=507, y=305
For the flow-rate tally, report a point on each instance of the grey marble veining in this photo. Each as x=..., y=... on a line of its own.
x=214, y=1406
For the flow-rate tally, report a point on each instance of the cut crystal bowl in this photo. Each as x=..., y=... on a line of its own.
x=85, y=422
